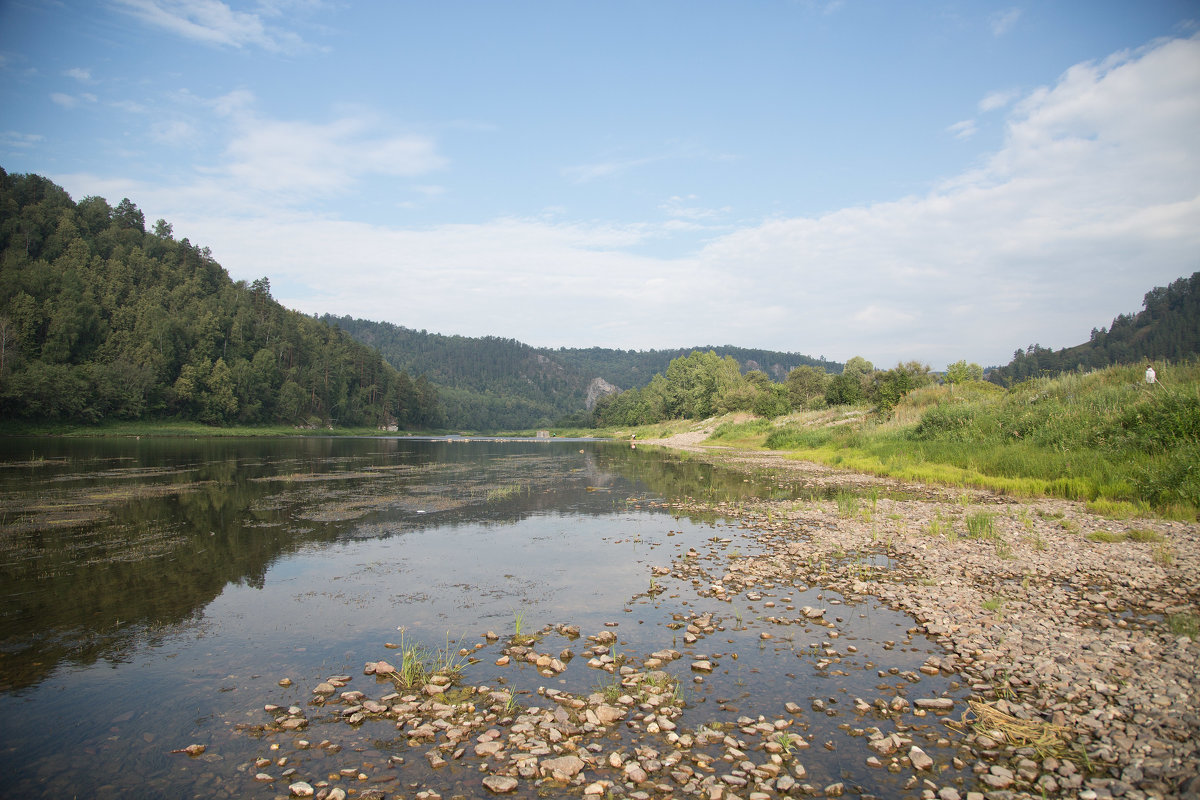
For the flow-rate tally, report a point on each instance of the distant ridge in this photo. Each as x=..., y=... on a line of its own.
x=493, y=383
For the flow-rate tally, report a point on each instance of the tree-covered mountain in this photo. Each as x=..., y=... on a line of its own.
x=101, y=319
x=491, y=383
x=1167, y=327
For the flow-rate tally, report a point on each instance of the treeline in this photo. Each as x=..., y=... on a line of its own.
x=491, y=383
x=1167, y=327
x=634, y=368
x=486, y=383
x=703, y=384
x=102, y=319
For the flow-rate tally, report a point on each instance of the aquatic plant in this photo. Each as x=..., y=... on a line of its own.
x=518, y=621
x=505, y=492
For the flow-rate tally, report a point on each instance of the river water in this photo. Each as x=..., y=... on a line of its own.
x=156, y=591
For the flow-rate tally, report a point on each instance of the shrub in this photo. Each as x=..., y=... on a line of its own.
x=945, y=420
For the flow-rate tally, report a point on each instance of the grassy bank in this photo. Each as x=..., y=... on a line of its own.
x=1105, y=437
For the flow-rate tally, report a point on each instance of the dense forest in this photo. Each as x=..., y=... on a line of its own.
x=102, y=319
x=1167, y=327
x=491, y=383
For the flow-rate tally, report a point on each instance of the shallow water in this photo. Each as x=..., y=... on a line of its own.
x=156, y=590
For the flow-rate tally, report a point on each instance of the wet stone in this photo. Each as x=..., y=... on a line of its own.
x=500, y=784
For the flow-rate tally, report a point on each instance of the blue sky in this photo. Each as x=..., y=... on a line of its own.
x=928, y=181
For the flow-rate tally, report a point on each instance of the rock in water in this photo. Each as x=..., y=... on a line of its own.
x=500, y=784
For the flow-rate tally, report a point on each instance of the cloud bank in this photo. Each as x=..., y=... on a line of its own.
x=1093, y=195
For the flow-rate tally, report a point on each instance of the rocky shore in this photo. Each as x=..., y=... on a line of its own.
x=1068, y=667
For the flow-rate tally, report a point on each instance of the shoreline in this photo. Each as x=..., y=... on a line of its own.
x=1052, y=616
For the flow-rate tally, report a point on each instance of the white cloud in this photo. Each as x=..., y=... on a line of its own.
x=19, y=141
x=79, y=74
x=212, y=22
x=1003, y=21
x=583, y=173
x=173, y=132
x=70, y=100
x=997, y=100
x=686, y=208
x=963, y=129
x=303, y=158
x=1093, y=199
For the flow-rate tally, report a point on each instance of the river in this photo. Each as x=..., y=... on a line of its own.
x=157, y=591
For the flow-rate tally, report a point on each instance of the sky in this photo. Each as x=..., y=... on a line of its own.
x=928, y=181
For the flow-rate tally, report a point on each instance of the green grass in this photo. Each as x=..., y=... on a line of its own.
x=1162, y=555
x=847, y=503
x=981, y=525
x=419, y=662
x=1184, y=624
x=1142, y=535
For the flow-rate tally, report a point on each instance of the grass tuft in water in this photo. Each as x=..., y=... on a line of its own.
x=847, y=503
x=419, y=662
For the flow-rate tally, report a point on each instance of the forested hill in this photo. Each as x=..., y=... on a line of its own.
x=1167, y=327
x=101, y=319
x=492, y=383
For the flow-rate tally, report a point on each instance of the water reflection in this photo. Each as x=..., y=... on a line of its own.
x=107, y=541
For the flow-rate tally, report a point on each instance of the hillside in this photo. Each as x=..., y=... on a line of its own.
x=101, y=319
x=1167, y=328
x=491, y=383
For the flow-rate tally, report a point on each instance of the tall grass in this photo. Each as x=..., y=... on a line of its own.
x=1100, y=436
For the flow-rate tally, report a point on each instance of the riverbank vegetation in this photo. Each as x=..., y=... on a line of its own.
x=1106, y=437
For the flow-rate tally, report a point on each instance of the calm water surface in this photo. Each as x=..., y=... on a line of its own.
x=156, y=590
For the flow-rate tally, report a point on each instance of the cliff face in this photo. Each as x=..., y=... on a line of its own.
x=597, y=389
